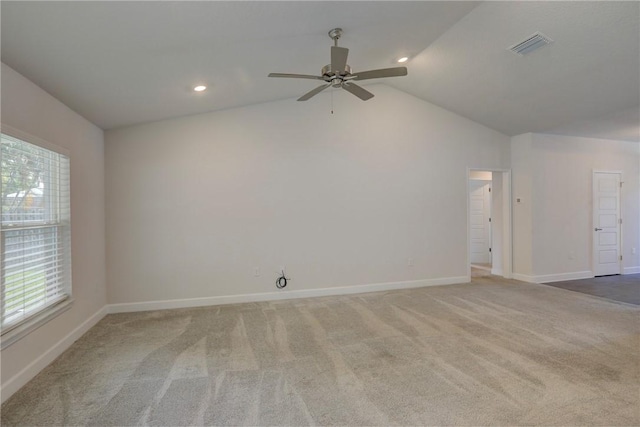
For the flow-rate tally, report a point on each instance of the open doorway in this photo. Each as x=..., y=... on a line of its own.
x=489, y=222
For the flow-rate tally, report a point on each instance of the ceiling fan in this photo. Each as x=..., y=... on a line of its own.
x=338, y=73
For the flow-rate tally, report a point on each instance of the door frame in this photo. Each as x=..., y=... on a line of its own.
x=594, y=220
x=507, y=220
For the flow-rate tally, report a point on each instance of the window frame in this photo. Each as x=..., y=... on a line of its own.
x=20, y=329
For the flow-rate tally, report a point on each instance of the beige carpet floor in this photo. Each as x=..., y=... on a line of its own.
x=493, y=352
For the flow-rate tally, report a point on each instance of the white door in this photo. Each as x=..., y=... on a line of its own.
x=479, y=217
x=606, y=223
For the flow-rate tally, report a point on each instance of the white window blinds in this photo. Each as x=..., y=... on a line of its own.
x=35, y=227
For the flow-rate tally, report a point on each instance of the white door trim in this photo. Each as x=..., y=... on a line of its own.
x=507, y=232
x=594, y=220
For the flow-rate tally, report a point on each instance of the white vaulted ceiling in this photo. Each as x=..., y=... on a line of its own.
x=592, y=68
x=122, y=63
x=119, y=63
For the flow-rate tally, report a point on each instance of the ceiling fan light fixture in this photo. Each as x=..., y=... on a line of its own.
x=199, y=88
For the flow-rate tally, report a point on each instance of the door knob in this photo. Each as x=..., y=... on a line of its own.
x=598, y=229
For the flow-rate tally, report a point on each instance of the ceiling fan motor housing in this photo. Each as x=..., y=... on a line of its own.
x=333, y=76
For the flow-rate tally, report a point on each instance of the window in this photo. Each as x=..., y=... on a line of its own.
x=35, y=228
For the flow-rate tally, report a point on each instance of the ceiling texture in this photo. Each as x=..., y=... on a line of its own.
x=123, y=63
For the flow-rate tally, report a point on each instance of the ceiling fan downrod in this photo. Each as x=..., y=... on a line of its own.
x=333, y=75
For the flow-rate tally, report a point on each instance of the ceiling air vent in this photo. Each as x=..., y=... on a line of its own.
x=532, y=43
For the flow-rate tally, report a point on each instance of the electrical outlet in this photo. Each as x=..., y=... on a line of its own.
x=410, y=262
x=256, y=272
x=633, y=251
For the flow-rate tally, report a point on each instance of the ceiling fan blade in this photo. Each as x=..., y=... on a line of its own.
x=384, y=72
x=296, y=76
x=357, y=91
x=313, y=92
x=339, y=58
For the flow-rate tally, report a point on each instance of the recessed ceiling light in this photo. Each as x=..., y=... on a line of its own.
x=200, y=88
x=403, y=59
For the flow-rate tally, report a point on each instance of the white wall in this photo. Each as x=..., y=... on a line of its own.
x=522, y=201
x=196, y=204
x=561, y=210
x=28, y=108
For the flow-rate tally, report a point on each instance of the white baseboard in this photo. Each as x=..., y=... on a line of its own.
x=523, y=278
x=14, y=383
x=281, y=295
x=548, y=278
x=574, y=275
x=631, y=270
